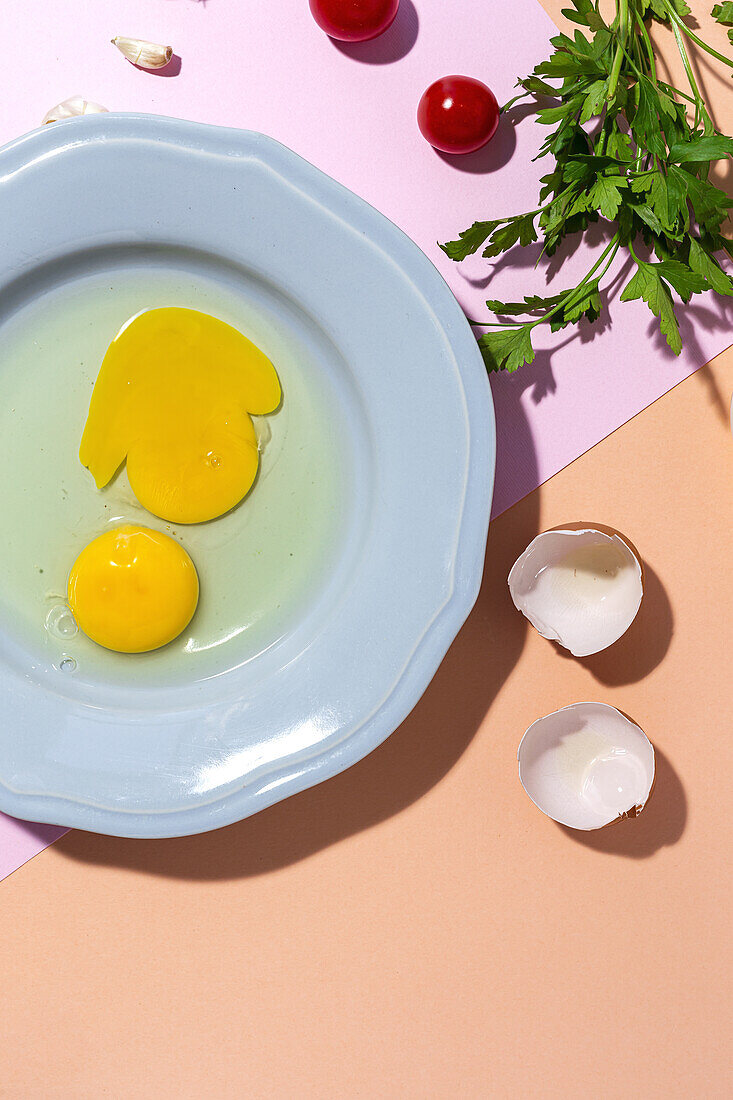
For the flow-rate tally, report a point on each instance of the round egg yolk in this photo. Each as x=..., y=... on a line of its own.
x=174, y=396
x=133, y=589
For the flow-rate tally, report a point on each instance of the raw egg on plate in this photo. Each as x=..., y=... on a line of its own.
x=174, y=396
x=133, y=589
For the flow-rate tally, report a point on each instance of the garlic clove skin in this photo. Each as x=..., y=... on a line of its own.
x=147, y=55
x=581, y=588
x=72, y=107
x=586, y=766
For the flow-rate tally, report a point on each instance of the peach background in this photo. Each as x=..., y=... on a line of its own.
x=415, y=928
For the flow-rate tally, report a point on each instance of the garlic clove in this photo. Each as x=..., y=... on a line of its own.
x=72, y=107
x=586, y=766
x=148, y=55
x=581, y=588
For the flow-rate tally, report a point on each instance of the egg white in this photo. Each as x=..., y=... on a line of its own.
x=259, y=565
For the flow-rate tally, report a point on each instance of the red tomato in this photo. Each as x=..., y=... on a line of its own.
x=458, y=114
x=354, y=20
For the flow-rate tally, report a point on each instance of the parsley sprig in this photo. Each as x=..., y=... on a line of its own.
x=629, y=148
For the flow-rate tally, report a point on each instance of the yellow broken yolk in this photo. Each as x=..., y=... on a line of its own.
x=174, y=396
x=133, y=589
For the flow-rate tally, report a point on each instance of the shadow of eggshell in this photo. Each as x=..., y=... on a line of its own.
x=644, y=646
x=661, y=825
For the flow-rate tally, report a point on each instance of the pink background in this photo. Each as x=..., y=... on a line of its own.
x=350, y=110
x=415, y=929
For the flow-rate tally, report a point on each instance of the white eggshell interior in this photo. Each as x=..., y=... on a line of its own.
x=579, y=588
x=586, y=765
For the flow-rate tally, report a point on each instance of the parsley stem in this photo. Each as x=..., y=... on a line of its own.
x=622, y=18
x=612, y=247
x=675, y=91
x=607, y=255
x=688, y=72
x=648, y=44
x=639, y=124
x=636, y=68
x=512, y=101
x=676, y=21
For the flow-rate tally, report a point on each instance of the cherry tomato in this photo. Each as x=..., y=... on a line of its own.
x=458, y=114
x=354, y=20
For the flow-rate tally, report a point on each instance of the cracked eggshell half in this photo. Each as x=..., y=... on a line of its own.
x=586, y=765
x=581, y=588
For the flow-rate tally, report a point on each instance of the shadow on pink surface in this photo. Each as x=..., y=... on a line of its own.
x=490, y=157
x=708, y=314
x=36, y=831
x=173, y=68
x=393, y=45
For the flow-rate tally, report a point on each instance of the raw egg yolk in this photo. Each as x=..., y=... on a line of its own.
x=174, y=396
x=133, y=589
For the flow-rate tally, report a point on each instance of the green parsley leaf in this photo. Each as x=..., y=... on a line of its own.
x=647, y=285
x=626, y=146
x=701, y=149
x=537, y=86
x=469, y=241
x=605, y=195
x=723, y=13
x=711, y=205
x=519, y=230
x=530, y=304
x=594, y=100
x=642, y=183
x=507, y=349
x=679, y=275
x=647, y=215
x=579, y=12
x=707, y=266
x=584, y=301
x=645, y=118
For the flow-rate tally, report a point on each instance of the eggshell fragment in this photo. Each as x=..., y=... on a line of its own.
x=586, y=765
x=581, y=588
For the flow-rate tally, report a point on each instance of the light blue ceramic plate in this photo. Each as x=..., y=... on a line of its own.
x=417, y=439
